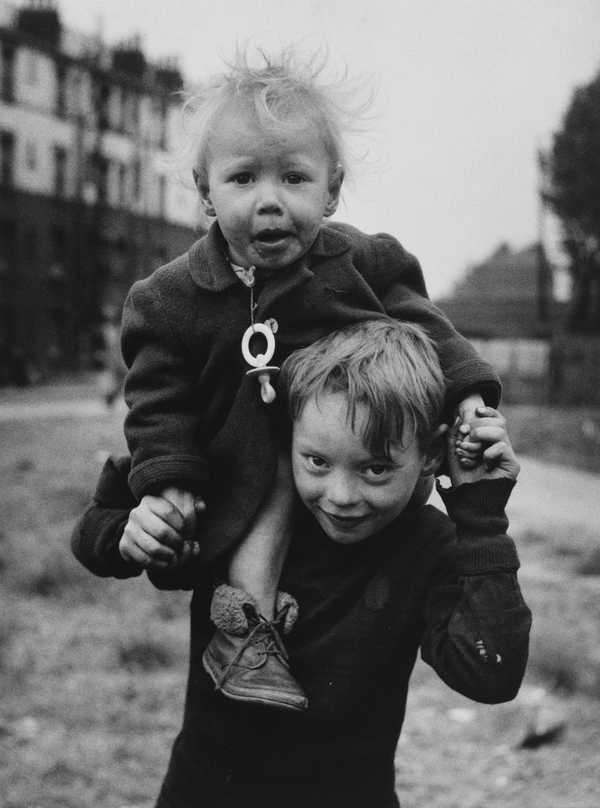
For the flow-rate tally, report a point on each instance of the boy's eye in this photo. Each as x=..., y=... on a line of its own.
x=243, y=178
x=376, y=470
x=316, y=462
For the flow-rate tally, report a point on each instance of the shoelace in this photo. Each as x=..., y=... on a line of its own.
x=272, y=645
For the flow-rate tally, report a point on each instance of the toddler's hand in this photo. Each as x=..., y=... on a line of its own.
x=498, y=460
x=155, y=534
x=467, y=449
x=185, y=503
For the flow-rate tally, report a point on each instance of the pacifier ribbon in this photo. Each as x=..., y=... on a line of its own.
x=259, y=363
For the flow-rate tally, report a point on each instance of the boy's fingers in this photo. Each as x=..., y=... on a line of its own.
x=199, y=505
x=189, y=550
x=483, y=412
x=494, y=454
x=489, y=434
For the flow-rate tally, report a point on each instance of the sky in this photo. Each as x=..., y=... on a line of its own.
x=465, y=91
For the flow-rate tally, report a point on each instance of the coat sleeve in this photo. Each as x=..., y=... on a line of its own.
x=477, y=623
x=402, y=291
x=96, y=535
x=161, y=426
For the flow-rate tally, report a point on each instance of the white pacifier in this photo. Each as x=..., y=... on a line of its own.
x=259, y=363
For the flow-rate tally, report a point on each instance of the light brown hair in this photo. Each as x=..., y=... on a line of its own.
x=390, y=368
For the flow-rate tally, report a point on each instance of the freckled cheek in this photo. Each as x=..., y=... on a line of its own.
x=308, y=491
x=389, y=504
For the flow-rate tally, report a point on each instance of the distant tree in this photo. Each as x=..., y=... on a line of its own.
x=572, y=170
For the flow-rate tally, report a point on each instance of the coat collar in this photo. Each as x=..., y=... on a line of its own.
x=212, y=272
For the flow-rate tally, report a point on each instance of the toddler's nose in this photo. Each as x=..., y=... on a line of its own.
x=268, y=199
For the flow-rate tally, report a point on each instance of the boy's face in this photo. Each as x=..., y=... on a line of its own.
x=268, y=191
x=351, y=493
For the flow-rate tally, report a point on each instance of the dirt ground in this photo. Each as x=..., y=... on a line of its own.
x=89, y=706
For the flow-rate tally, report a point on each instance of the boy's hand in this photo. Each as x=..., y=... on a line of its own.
x=187, y=505
x=156, y=532
x=498, y=460
x=468, y=450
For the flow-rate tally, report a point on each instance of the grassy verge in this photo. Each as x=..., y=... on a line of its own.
x=93, y=670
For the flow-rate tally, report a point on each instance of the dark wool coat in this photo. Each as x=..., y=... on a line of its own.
x=445, y=585
x=195, y=419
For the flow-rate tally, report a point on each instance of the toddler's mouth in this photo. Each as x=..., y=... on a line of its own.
x=271, y=236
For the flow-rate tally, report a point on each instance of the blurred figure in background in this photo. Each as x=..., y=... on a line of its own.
x=113, y=373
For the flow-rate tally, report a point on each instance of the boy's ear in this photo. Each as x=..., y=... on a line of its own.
x=335, y=186
x=436, y=452
x=204, y=194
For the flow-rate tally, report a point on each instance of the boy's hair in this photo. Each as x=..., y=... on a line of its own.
x=389, y=367
x=282, y=93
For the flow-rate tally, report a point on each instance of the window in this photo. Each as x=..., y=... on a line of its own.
x=31, y=155
x=160, y=119
x=117, y=109
x=122, y=180
x=8, y=72
x=131, y=113
x=31, y=68
x=8, y=276
x=162, y=196
x=61, y=91
x=30, y=245
x=137, y=179
x=103, y=174
x=60, y=170
x=7, y=158
x=58, y=242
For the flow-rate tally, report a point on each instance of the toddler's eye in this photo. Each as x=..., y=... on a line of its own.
x=294, y=179
x=243, y=178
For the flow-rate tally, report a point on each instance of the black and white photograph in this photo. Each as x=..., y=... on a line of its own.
x=299, y=404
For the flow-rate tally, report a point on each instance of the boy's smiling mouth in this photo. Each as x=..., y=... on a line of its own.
x=344, y=522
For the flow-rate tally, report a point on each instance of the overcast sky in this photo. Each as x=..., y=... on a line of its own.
x=466, y=91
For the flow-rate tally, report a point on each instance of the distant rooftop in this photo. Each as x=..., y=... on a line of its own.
x=510, y=294
x=40, y=21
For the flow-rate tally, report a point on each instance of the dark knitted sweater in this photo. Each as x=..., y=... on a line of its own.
x=445, y=585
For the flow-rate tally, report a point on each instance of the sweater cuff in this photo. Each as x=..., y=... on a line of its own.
x=154, y=475
x=477, y=510
x=112, y=490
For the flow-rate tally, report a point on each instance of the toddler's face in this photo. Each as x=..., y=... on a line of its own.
x=268, y=191
x=351, y=493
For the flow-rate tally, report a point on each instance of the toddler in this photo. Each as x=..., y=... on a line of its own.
x=203, y=338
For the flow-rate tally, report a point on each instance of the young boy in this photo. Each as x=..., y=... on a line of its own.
x=268, y=278
x=377, y=579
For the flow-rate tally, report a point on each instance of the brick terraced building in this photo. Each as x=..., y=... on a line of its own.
x=88, y=200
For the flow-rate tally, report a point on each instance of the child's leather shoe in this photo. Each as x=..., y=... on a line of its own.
x=246, y=658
